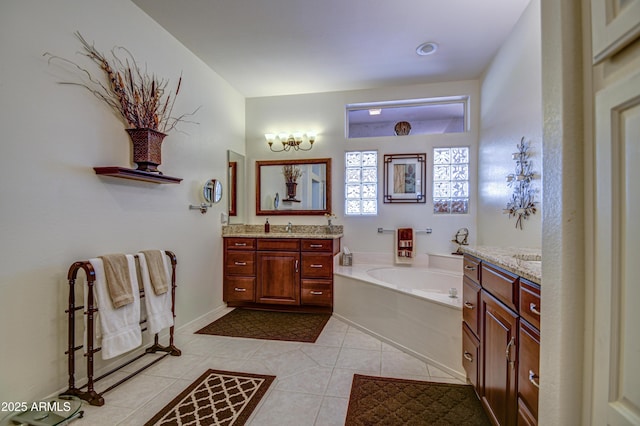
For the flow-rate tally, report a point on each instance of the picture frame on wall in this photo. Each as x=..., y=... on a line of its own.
x=405, y=178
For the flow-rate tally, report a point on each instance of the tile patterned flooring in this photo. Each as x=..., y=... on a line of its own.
x=312, y=385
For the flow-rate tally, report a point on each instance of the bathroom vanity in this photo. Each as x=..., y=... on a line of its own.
x=501, y=331
x=280, y=270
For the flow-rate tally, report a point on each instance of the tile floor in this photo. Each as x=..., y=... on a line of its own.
x=312, y=385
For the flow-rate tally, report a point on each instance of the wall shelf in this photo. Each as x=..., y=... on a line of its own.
x=133, y=174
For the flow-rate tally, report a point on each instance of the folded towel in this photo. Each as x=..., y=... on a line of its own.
x=404, y=245
x=157, y=306
x=156, y=264
x=116, y=273
x=116, y=330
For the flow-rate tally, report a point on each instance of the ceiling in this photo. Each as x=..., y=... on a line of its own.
x=283, y=47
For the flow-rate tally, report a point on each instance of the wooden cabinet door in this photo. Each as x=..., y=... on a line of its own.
x=499, y=358
x=278, y=278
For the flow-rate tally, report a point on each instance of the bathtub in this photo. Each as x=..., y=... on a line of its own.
x=409, y=307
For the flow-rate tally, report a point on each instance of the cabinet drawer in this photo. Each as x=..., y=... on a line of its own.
x=530, y=302
x=471, y=304
x=471, y=268
x=240, y=243
x=318, y=265
x=240, y=263
x=528, y=366
x=280, y=244
x=239, y=289
x=317, y=292
x=500, y=283
x=317, y=245
x=470, y=354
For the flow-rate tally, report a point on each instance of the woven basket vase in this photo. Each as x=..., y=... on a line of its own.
x=147, y=148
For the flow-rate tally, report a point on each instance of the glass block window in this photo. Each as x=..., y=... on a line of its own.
x=451, y=180
x=361, y=183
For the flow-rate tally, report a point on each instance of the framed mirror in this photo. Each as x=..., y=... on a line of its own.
x=212, y=191
x=293, y=187
x=405, y=178
x=235, y=194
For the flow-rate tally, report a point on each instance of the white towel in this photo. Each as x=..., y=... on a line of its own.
x=158, y=307
x=116, y=330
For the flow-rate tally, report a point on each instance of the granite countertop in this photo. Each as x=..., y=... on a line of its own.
x=279, y=231
x=525, y=262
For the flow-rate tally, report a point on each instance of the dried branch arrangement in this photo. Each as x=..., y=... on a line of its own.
x=291, y=173
x=140, y=99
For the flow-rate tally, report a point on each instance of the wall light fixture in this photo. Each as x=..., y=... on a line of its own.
x=291, y=141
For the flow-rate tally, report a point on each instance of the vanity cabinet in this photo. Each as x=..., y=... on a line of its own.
x=501, y=341
x=280, y=273
x=239, y=269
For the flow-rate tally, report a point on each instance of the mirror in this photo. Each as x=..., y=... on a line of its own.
x=212, y=191
x=235, y=180
x=293, y=187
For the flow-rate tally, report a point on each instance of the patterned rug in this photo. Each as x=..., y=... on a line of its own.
x=290, y=326
x=387, y=401
x=215, y=398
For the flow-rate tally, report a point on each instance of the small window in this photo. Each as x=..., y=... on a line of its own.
x=415, y=117
x=451, y=180
x=361, y=183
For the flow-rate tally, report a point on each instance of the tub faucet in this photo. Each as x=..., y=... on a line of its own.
x=289, y=227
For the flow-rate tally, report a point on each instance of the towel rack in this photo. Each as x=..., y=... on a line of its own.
x=418, y=231
x=90, y=395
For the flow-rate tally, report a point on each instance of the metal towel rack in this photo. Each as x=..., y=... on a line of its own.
x=418, y=231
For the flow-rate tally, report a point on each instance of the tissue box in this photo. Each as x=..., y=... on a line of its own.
x=347, y=258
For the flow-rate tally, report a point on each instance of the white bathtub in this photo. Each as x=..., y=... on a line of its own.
x=407, y=306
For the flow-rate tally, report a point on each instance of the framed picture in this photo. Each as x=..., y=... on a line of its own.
x=405, y=178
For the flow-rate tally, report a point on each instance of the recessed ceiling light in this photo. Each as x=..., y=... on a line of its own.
x=427, y=48
x=375, y=111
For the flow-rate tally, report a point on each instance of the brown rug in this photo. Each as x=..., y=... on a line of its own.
x=290, y=326
x=387, y=401
x=215, y=398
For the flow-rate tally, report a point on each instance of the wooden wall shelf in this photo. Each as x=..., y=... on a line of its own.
x=133, y=174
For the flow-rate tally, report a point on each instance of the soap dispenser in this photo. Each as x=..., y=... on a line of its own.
x=266, y=226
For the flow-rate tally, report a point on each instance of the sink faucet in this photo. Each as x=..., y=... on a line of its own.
x=289, y=227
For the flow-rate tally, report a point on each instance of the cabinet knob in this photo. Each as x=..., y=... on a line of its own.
x=316, y=293
x=469, y=305
x=534, y=308
x=467, y=356
x=532, y=378
x=239, y=289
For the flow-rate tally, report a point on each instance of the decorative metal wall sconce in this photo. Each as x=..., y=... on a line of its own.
x=291, y=141
x=522, y=203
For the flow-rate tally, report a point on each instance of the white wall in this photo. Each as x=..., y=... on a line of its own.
x=325, y=113
x=54, y=210
x=510, y=108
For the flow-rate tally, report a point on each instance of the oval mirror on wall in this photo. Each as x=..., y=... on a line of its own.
x=212, y=191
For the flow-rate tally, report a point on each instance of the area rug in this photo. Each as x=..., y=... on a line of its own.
x=387, y=401
x=215, y=398
x=290, y=326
